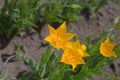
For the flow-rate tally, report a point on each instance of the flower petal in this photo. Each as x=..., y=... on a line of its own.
x=48, y=38
x=68, y=36
x=106, y=48
x=51, y=29
x=62, y=28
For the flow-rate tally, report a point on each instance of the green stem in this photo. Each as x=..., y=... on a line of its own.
x=3, y=66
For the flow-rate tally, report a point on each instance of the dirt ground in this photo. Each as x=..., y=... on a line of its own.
x=35, y=45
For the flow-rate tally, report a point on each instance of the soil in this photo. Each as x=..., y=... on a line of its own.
x=35, y=45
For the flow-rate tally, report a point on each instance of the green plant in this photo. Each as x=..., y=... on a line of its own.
x=4, y=76
x=17, y=15
x=68, y=9
x=51, y=67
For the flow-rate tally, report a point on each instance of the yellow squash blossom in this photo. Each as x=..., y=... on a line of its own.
x=106, y=48
x=74, y=53
x=59, y=37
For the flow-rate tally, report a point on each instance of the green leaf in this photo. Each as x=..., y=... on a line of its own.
x=118, y=26
x=27, y=75
x=45, y=57
x=29, y=61
x=117, y=50
x=99, y=4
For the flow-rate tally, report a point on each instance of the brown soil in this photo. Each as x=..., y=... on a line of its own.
x=35, y=45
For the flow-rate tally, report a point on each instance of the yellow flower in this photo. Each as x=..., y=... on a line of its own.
x=106, y=48
x=74, y=53
x=81, y=49
x=1, y=79
x=58, y=37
